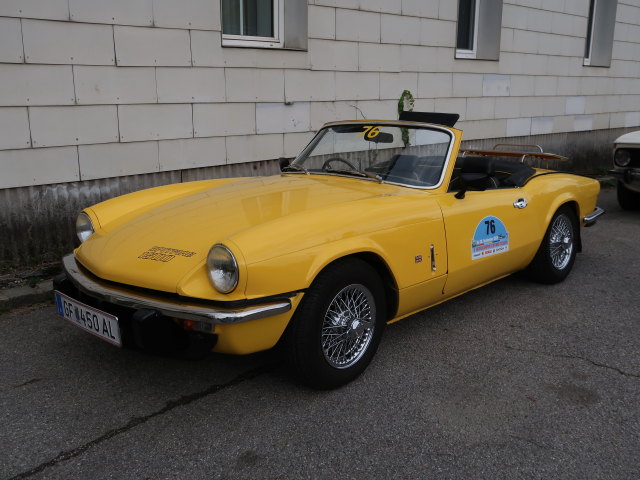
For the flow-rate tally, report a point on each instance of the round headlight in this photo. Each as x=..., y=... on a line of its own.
x=84, y=227
x=222, y=268
x=622, y=158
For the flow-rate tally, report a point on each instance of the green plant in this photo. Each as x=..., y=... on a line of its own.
x=405, y=104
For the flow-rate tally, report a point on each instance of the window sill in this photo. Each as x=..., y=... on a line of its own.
x=227, y=42
x=262, y=46
x=589, y=63
x=466, y=54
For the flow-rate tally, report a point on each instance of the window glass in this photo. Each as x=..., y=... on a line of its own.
x=261, y=24
x=479, y=29
x=587, y=49
x=400, y=154
x=250, y=18
x=466, y=24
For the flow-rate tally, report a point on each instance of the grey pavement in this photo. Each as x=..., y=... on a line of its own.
x=513, y=380
x=25, y=295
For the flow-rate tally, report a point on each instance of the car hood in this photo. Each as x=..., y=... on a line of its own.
x=162, y=245
x=630, y=138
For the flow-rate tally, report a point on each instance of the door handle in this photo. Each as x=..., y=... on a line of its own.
x=520, y=203
x=433, y=258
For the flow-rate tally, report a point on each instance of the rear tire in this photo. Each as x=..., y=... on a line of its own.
x=627, y=199
x=557, y=252
x=336, y=330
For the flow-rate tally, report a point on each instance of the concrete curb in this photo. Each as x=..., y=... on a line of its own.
x=22, y=296
x=606, y=180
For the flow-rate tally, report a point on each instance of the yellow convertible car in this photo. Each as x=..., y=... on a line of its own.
x=372, y=222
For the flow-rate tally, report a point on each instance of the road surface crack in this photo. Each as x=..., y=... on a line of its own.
x=136, y=421
x=28, y=382
x=574, y=357
x=528, y=440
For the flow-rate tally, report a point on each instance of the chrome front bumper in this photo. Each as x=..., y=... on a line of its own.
x=590, y=219
x=182, y=309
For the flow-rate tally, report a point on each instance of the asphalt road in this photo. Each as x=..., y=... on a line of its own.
x=514, y=380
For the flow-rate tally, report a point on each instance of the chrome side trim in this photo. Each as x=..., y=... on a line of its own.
x=176, y=309
x=590, y=220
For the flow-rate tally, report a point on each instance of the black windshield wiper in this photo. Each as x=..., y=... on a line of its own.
x=295, y=168
x=356, y=173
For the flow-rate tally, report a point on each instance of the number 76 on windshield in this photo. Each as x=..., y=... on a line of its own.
x=369, y=131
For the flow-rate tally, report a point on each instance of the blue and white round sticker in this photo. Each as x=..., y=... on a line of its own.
x=490, y=238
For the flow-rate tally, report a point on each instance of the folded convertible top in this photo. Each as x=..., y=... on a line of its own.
x=446, y=119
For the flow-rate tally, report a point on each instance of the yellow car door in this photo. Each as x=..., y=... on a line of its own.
x=489, y=233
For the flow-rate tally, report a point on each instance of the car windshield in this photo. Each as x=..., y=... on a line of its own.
x=403, y=154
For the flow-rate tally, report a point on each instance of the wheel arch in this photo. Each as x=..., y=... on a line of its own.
x=575, y=208
x=573, y=205
x=386, y=275
x=542, y=268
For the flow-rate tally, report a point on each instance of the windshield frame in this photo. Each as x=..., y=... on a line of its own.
x=393, y=123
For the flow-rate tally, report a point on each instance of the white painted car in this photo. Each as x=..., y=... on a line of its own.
x=626, y=160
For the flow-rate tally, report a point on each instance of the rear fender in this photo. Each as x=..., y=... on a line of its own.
x=570, y=201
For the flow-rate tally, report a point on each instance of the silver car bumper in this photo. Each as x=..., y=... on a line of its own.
x=182, y=309
x=592, y=217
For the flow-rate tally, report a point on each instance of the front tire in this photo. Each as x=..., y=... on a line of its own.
x=557, y=252
x=336, y=330
x=627, y=199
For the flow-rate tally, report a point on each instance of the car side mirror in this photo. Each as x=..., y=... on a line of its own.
x=472, y=181
x=284, y=162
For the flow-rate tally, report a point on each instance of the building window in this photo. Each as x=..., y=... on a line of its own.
x=479, y=26
x=246, y=22
x=264, y=24
x=600, y=28
x=467, y=28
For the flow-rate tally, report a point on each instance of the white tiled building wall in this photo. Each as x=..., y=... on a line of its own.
x=94, y=89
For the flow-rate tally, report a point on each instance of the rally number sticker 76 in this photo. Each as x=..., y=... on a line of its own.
x=369, y=131
x=490, y=238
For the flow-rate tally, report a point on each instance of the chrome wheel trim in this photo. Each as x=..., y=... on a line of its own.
x=561, y=242
x=348, y=325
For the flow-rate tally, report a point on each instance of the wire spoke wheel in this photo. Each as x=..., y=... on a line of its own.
x=337, y=327
x=557, y=253
x=348, y=326
x=561, y=242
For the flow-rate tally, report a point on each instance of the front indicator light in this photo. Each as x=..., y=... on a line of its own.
x=222, y=268
x=84, y=227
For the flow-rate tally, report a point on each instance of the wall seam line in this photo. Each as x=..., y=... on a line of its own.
x=73, y=81
x=118, y=122
x=24, y=55
x=29, y=124
x=78, y=159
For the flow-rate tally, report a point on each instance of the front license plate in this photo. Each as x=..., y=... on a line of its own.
x=97, y=322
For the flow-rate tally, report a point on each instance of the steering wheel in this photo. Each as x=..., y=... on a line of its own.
x=337, y=159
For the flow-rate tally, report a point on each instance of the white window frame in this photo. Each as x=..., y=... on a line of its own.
x=602, y=25
x=463, y=53
x=276, y=41
x=587, y=60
